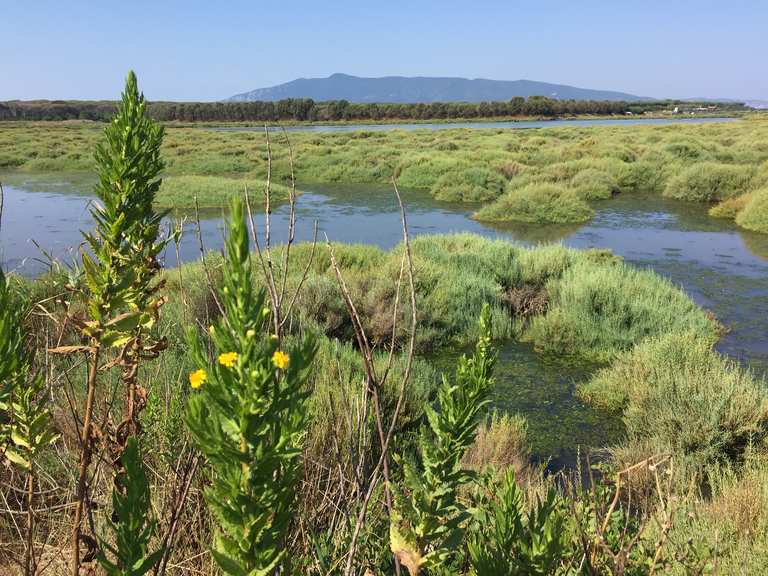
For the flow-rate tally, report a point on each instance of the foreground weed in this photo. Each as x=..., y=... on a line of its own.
x=119, y=295
x=430, y=522
x=508, y=540
x=26, y=424
x=248, y=418
x=131, y=527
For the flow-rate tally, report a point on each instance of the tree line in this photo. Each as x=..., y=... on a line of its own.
x=307, y=110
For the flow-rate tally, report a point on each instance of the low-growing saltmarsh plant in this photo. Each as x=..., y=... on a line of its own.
x=212, y=191
x=709, y=182
x=679, y=396
x=537, y=203
x=598, y=311
x=754, y=215
x=593, y=184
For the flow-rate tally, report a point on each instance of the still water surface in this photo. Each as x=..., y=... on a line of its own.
x=722, y=268
x=475, y=125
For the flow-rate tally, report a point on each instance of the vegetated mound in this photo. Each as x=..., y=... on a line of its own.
x=599, y=310
x=537, y=203
x=730, y=207
x=679, y=396
x=566, y=301
x=471, y=185
x=710, y=182
x=754, y=215
x=213, y=191
x=593, y=184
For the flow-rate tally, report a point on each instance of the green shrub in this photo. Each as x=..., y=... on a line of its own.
x=598, y=311
x=212, y=191
x=686, y=150
x=709, y=182
x=248, y=417
x=469, y=185
x=681, y=397
x=538, y=203
x=754, y=215
x=731, y=207
x=429, y=521
x=593, y=184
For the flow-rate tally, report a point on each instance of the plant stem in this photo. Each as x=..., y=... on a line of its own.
x=29, y=569
x=85, y=459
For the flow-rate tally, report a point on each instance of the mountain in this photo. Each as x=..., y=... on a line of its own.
x=401, y=89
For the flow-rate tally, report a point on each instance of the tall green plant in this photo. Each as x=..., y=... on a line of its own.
x=430, y=521
x=12, y=355
x=510, y=541
x=119, y=295
x=248, y=418
x=131, y=526
x=26, y=425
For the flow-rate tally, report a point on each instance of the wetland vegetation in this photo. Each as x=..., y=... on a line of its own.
x=541, y=176
x=283, y=410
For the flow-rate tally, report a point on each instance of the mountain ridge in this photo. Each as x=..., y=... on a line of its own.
x=413, y=89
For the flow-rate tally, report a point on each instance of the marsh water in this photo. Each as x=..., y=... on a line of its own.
x=509, y=124
x=723, y=268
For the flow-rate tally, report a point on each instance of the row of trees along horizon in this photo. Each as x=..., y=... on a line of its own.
x=306, y=109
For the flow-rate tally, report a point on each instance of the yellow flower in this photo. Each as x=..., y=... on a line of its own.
x=251, y=333
x=280, y=359
x=228, y=359
x=197, y=378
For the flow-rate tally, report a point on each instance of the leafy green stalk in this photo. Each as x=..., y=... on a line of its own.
x=130, y=525
x=430, y=521
x=508, y=541
x=26, y=425
x=248, y=418
x=13, y=357
x=120, y=296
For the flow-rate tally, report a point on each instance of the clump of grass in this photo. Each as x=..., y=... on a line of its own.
x=594, y=184
x=710, y=182
x=537, y=203
x=212, y=191
x=760, y=180
x=754, y=215
x=643, y=176
x=512, y=169
x=686, y=150
x=502, y=443
x=679, y=396
x=731, y=207
x=599, y=311
x=470, y=185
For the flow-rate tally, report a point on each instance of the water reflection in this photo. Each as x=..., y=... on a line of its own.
x=505, y=125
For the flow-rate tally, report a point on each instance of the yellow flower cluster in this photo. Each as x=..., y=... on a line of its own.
x=197, y=378
x=280, y=359
x=228, y=359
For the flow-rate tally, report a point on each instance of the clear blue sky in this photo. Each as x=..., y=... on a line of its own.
x=206, y=50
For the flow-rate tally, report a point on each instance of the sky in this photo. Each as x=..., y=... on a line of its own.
x=205, y=50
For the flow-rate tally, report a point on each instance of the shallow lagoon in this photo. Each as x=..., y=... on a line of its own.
x=509, y=124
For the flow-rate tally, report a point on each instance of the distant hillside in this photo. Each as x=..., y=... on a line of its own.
x=400, y=89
